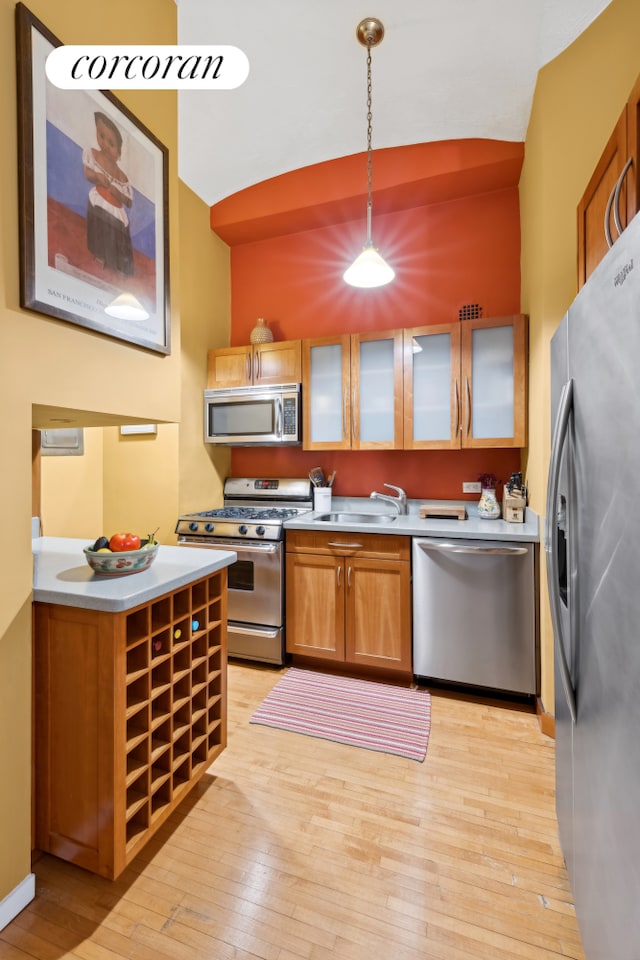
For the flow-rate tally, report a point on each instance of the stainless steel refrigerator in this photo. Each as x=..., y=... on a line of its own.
x=592, y=543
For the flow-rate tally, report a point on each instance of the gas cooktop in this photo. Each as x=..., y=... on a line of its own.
x=253, y=509
x=249, y=513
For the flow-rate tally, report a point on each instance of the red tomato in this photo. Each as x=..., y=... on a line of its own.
x=124, y=541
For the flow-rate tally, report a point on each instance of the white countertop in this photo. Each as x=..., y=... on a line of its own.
x=62, y=575
x=474, y=528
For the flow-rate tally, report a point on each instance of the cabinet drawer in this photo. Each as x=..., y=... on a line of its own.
x=349, y=543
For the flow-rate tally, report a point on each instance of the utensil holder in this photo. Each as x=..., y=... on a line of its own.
x=322, y=499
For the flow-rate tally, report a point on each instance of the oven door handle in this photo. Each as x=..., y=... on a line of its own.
x=231, y=545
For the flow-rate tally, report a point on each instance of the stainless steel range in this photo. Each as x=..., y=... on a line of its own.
x=251, y=523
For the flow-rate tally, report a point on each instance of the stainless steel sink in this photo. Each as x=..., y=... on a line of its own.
x=357, y=517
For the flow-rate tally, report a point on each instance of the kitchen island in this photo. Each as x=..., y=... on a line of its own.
x=130, y=696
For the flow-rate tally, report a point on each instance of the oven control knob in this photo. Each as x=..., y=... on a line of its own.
x=243, y=528
x=193, y=526
x=260, y=531
x=209, y=527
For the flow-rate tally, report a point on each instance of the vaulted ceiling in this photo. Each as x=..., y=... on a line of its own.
x=446, y=69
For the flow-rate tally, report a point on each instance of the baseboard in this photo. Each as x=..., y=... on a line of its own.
x=546, y=721
x=17, y=900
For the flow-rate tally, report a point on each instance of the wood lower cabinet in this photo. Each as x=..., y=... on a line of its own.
x=349, y=599
x=130, y=710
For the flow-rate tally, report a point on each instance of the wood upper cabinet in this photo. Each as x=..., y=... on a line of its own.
x=376, y=390
x=612, y=195
x=493, y=382
x=466, y=385
x=326, y=391
x=352, y=392
x=349, y=599
x=255, y=365
x=432, y=387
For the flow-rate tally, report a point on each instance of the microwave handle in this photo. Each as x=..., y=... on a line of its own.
x=279, y=418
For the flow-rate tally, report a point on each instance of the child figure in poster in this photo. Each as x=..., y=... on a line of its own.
x=108, y=235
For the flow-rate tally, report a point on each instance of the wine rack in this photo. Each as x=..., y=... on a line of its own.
x=130, y=712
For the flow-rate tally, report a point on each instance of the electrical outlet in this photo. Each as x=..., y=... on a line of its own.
x=471, y=487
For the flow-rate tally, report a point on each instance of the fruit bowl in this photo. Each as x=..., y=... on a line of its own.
x=110, y=564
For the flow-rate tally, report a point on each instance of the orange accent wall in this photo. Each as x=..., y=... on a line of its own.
x=445, y=254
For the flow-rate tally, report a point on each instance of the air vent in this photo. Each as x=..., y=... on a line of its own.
x=470, y=311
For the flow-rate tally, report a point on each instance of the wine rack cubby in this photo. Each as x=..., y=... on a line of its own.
x=130, y=712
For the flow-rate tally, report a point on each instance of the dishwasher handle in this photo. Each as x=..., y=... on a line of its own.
x=446, y=547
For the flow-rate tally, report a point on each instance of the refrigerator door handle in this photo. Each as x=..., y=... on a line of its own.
x=565, y=409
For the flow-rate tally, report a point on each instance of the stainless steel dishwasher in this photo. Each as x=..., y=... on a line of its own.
x=474, y=619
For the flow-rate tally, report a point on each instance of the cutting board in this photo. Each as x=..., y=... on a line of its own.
x=450, y=512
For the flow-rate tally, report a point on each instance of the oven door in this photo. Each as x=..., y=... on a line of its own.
x=256, y=581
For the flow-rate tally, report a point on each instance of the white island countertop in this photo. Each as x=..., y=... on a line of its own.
x=62, y=575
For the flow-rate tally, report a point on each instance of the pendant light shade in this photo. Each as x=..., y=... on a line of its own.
x=369, y=269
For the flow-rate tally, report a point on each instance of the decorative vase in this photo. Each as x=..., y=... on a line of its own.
x=261, y=332
x=488, y=506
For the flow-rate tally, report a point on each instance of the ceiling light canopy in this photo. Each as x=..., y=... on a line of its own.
x=369, y=269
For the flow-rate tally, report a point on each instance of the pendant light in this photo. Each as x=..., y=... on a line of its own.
x=369, y=269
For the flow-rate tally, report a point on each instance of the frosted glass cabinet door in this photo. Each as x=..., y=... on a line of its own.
x=432, y=387
x=326, y=423
x=494, y=382
x=376, y=390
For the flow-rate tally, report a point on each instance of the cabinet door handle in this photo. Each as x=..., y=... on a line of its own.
x=247, y=367
x=344, y=411
x=456, y=415
x=614, y=201
x=339, y=573
x=349, y=578
x=616, y=195
x=468, y=406
x=256, y=366
x=607, y=216
x=349, y=546
x=353, y=415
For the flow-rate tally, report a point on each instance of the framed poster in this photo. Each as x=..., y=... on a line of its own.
x=93, y=194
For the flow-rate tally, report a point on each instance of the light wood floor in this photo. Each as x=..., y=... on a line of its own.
x=299, y=848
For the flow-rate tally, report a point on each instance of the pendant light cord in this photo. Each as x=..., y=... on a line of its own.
x=369, y=137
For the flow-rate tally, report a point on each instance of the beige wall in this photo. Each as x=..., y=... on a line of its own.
x=72, y=502
x=206, y=303
x=578, y=99
x=51, y=363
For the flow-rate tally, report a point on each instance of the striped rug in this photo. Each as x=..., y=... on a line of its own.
x=361, y=713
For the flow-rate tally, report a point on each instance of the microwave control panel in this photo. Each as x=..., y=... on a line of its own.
x=290, y=417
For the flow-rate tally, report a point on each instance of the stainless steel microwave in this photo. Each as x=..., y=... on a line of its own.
x=253, y=416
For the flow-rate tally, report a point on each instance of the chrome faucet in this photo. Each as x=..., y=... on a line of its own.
x=399, y=502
